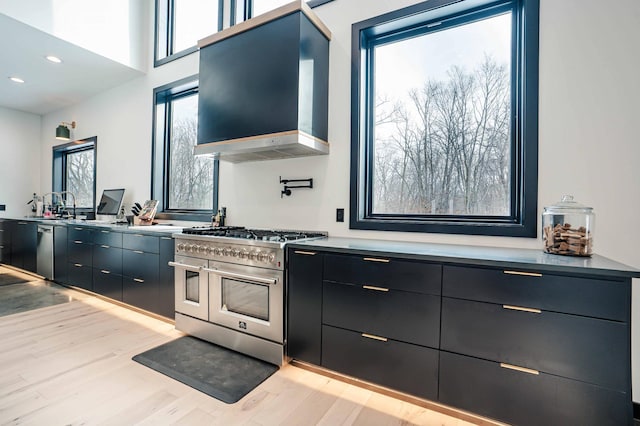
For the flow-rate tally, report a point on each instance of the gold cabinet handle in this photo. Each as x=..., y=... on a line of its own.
x=103, y=246
x=376, y=259
x=518, y=368
x=77, y=242
x=522, y=309
x=526, y=274
x=308, y=253
x=138, y=251
x=138, y=235
x=105, y=232
x=138, y=280
x=372, y=287
x=78, y=265
x=374, y=337
x=104, y=271
x=166, y=238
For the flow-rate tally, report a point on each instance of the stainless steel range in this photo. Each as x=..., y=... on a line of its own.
x=229, y=285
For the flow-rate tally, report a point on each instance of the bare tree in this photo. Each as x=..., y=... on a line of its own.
x=446, y=151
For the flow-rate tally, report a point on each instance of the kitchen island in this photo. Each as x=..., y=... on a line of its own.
x=516, y=335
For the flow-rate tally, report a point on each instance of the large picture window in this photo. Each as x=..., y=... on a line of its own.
x=444, y=122
x=184, y=184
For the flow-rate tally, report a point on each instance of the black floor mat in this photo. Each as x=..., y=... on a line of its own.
x=212, y=369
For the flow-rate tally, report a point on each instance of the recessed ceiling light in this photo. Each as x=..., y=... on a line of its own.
x=54, y=59
x=16, y=79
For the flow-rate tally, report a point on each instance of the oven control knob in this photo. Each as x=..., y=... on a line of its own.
x=254, y=255
x=272, y=257
x=187, y=248
x=180, y=247
x=262, y=257
x=217, y=251
x=226, y=251
x=244, y=254
x=202, y=249
x=235, y=252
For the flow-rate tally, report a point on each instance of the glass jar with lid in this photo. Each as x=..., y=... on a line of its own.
x=567, y=228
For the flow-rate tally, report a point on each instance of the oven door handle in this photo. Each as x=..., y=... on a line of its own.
x=185, y=266
x=270, y=281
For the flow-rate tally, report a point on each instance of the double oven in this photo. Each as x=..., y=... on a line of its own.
x=229, y=290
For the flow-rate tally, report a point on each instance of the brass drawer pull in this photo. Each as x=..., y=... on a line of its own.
x=375, y=259
x=138, y=280
x=372, y=287
x=138, y=235
x=308, y=253
x=522, y=308
x=526, y=274
x=166, y=238
x=374, y=337
x=78, y=265
x=103, y=246
x=106, y=232
x=138, y=251
x=77, y=242
x=104, y=271
x=521, y=369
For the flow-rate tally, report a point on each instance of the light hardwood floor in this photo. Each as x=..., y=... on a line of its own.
x=70, y=364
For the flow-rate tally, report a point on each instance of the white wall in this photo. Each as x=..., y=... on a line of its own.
x=588, y=138
x=108, y=28
x=19, y=160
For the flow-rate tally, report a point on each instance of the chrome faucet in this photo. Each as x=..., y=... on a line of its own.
x=74, y=201
x=59, y=200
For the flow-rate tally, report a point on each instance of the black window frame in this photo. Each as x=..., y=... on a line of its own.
x=160, y=171
x=59, y=167
x=164, y=38
x=406, y=22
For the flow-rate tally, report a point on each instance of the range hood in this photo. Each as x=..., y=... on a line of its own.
x=263, y=88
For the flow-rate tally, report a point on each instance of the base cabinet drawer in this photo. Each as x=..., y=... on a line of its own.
x=408, y=368
x=523, y=398
x=140, y=293
x=581, y=348
x=139, y=265
x=572, y=295
x=107, y=283
x=398, y=315
x=146, y=243
x=418, y=277
x=80, y=275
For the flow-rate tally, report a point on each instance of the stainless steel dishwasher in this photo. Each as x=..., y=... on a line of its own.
x=45, y=251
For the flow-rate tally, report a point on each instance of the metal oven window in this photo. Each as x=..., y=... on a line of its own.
x=245, y=298
x=192, y=286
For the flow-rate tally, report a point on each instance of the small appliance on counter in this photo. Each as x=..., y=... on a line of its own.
x=567, y=228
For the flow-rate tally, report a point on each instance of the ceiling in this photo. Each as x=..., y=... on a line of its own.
x=48, y=86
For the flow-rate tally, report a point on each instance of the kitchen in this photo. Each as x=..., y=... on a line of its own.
x=585, y=113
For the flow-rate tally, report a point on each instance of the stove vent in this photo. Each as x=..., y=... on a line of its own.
x=263, y=89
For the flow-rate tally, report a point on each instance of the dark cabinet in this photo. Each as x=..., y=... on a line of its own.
x=522, y=397
x=80, y=256
x=521, y=344
x=304, y=301
x=24, y=245
x=166, y=290
x=5, y=241
x=409, y=368
x=107, y=283
x=140, y=271
x=577, y=347
x=60, y=258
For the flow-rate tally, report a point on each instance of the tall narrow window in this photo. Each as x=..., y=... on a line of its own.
x=444, y=130
x=74, y=171
x=181, y=23
x=183, y=183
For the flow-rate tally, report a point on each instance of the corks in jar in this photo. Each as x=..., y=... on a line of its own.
x=563, y=239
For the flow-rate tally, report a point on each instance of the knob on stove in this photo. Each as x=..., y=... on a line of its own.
x=180, y=247
x=244, y=254
x=217, y=251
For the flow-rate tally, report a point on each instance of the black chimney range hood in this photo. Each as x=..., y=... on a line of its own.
x=263, y=87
